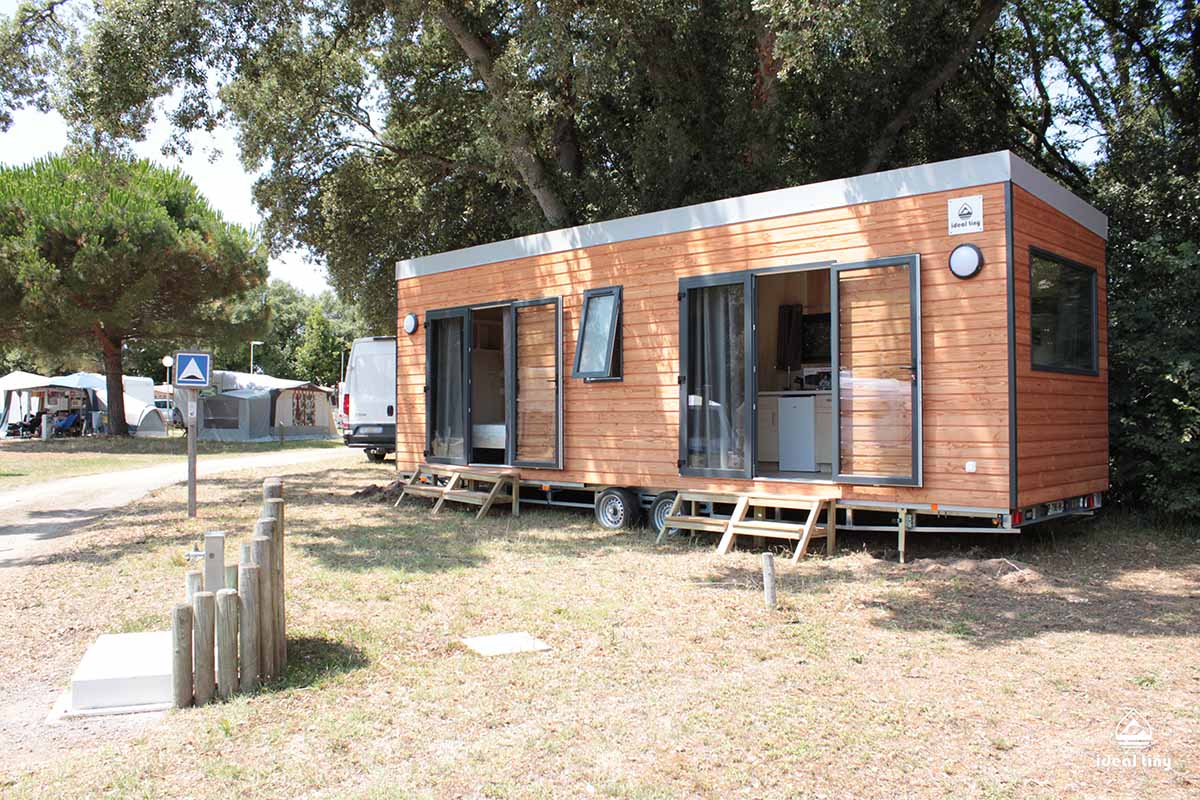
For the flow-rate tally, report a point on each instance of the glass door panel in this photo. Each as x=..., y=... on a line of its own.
x=537, y=412
x=446, y=387
x=877, y=387
x=717, y=397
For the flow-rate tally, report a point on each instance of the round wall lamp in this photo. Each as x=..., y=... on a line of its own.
x=965, y=261
x=410, y=323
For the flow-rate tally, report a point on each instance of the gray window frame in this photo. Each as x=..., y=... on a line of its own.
x=463, y=314
x=1093, y=276
x=614, y=352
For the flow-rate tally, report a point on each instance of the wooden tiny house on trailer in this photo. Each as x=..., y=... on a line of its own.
x=927, y=343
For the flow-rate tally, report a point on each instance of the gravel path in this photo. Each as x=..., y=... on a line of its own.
x=39, y=519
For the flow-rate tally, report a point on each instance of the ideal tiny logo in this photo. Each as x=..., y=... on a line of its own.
x=1133, y=733
x=965, y=212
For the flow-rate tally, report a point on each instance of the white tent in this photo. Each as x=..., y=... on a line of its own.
x=15, y=399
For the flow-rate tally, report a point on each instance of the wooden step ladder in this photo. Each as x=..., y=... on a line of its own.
x=460, y=485
x=737, y=524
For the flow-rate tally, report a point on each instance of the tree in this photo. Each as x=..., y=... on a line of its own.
x=97, y=251
x=317, y=357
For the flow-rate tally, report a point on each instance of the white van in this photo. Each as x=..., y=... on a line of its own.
x=369, y=396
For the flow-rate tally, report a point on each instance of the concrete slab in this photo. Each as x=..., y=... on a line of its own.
x=123, y=670
x=502, y=644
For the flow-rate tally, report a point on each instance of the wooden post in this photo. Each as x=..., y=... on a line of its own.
x=227, y=642
x=181, y=654
x=204, y=610
x=246, y=558
x=193, y=582
x=768, y=567
x=231, y=576
x=272, y=488
x=214, y=561
x=831, y=529
x=273, y=509
x=260, y=551
x=248, y=636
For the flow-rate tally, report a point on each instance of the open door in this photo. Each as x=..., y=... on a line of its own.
x=877, y=372
x=536, y=368
x=717, y=387
x=447, y=390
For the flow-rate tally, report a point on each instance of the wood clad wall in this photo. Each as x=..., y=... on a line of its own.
x=627, y=432
x=1062, y=419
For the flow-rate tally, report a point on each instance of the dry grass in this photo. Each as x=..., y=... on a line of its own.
x=667, y=678
x=26, y=461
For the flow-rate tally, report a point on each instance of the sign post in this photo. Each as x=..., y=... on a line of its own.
x=193, y=371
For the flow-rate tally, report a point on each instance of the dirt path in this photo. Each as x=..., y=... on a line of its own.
x=39, y=519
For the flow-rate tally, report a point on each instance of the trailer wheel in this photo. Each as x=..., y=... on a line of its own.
x=659, y=510
x=375, y=456
x=617, y=509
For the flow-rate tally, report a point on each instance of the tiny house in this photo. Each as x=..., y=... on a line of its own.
x=924, y=345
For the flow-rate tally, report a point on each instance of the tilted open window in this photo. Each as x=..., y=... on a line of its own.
x=598, y=346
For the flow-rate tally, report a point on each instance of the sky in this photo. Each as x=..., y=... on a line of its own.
x=223, y=181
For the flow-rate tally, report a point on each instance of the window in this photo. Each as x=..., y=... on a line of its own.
x=598, y=348
x=1063, y=312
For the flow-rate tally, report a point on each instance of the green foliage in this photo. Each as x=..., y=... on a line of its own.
x=317, y=357
x=97, y=250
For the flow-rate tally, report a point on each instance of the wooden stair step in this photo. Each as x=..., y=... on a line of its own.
x=425, y=490
x=697, y=523
x=471, y=496
x=759, y=527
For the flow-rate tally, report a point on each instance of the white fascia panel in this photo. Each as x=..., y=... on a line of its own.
x=959, y=173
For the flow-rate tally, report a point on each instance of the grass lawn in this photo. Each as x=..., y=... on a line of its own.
x=28, y=461
x=667, y=679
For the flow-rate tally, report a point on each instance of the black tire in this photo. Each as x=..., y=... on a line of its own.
x=618, y=509
x=375, y=456
x=658, y=511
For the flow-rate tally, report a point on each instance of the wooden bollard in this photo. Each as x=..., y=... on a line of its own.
x=260, y=552
x=181, y=654
x=204, y=611
x=193, y=582
x=248, y=636
x=227, y=643
x=768, y=562
x=231, y=576
x=273, y=510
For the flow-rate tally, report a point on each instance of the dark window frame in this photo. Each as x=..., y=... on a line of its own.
x=1093, y=275
x=614, y=351
x=463, y=314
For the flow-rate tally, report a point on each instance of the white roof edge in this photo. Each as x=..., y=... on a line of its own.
x=958, y=173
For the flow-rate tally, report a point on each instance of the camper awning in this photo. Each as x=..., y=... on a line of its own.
x=20, y=381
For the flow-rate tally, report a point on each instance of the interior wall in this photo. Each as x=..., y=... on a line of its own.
x=811, y=290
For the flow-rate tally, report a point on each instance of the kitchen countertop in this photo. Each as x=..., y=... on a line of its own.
x=796, y=393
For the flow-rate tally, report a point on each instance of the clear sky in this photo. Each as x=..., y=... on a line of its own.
x=223, y=181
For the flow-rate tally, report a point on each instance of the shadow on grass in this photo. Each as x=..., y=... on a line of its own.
x=1110, y=576
x=313, y=659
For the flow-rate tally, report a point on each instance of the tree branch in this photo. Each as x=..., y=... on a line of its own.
x=517, y=142
x=989, y=11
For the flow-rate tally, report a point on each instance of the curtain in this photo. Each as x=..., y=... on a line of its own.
x=446, y=391
x=716, y=378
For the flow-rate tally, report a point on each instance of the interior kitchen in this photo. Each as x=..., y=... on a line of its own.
x=795, y=408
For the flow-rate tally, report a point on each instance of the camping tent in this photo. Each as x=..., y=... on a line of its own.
x=23, y=393
x=248, y=407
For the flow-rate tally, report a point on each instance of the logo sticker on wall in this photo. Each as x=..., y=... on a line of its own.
x=965, y=214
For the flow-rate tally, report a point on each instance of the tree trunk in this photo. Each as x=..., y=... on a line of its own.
x=114, y=378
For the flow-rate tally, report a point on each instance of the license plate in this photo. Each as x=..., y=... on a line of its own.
x=370, y=429
x=1057, y=507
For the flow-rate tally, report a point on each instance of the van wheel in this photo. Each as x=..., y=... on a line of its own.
x=659, y=510
x=617, y=509
x=375, y=456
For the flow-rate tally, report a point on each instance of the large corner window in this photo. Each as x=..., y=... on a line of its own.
x=598, y=346
x=1063, y=313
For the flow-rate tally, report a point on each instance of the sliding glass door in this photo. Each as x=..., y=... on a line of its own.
x=535, y=371
x=717, y=394
x=447, y=406
x=876, y=376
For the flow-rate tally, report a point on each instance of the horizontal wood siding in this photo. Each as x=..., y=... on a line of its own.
x=1062, y=419
x=626, y=433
